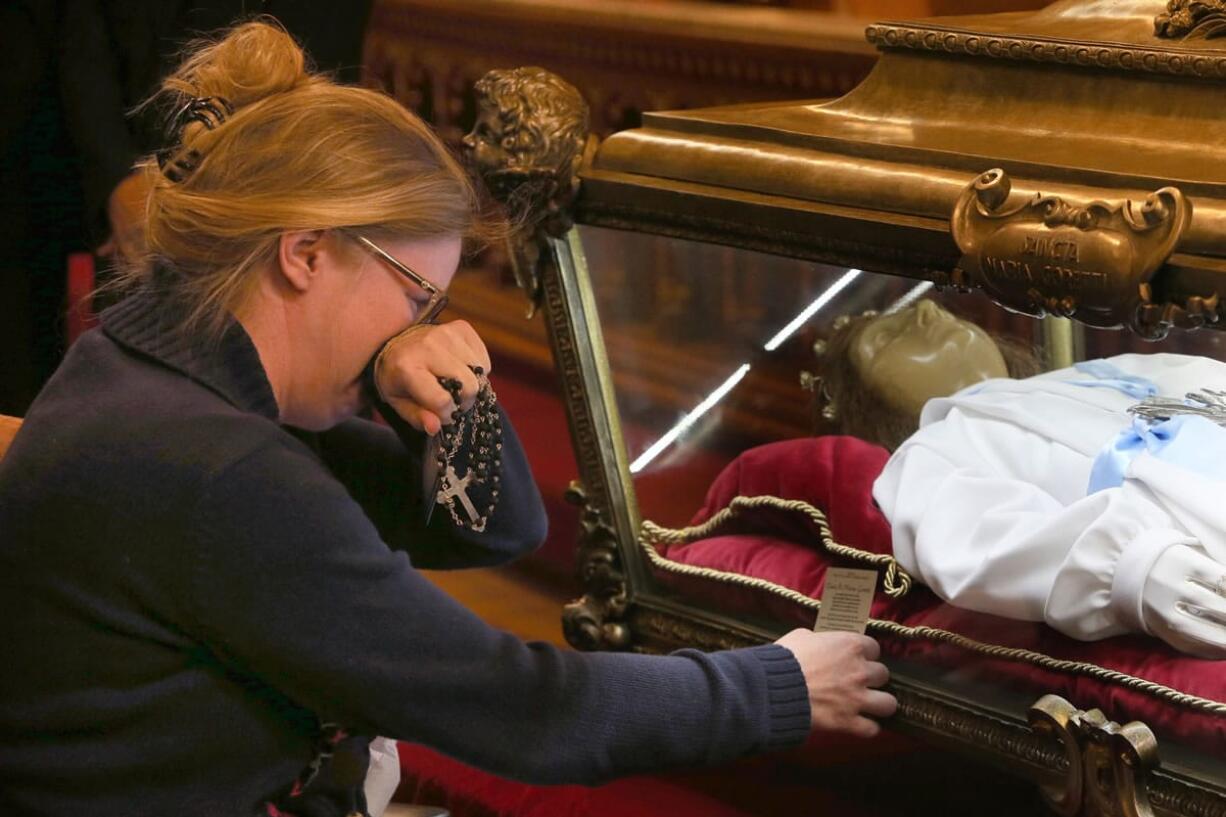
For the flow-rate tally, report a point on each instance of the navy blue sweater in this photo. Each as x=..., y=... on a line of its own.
x=188, y=591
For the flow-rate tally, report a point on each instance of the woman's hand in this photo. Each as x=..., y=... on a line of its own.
x=842, y=671
x=408, y=369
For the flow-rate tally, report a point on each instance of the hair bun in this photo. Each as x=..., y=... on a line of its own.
x=250, y=62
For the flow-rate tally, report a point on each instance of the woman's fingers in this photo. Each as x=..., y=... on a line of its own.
x=841, y=680
x=879, y=704
x=416, y=416
x=412, y=364
x=469, y=385
x=869, y=648
x=466, y=338
x=877, y=675
x=863, y=728
x=423, y=388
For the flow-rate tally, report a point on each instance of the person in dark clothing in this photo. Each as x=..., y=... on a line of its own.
x=112, y=57
x=71, y=75
x=40, y=202
x=209, y=601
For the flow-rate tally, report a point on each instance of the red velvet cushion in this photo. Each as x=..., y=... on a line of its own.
x=836, y=474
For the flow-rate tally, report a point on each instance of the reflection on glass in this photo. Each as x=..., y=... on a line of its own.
x=914, y=294
x=706, y=345
x=676, y=431
x=812, y=309
x=714, y=397
x=771, y=345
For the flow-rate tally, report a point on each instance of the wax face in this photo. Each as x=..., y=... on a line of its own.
x=923, y=352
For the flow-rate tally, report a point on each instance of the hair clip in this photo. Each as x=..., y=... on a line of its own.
x=209, y=111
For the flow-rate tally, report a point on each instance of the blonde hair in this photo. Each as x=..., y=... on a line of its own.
x=298, y=152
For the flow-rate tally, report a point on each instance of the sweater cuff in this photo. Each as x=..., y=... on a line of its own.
x=787, y=695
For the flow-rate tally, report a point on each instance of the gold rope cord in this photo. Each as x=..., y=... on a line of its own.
x=896, y=581
x=655, y=534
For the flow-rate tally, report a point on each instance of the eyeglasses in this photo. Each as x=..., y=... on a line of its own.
x=438, y=299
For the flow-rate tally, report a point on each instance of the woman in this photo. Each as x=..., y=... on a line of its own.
x=207, y=613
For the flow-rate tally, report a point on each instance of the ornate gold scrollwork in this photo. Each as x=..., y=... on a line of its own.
x=1191, y=18
x=1108, y=764
x=596, y=621
x=1092, y=261
x=530, y=139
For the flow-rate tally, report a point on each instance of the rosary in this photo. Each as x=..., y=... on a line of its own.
x=476, y=436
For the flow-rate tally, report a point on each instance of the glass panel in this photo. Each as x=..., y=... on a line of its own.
x=706, y=345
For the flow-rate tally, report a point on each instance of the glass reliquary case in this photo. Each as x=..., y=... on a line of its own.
x=749, y=307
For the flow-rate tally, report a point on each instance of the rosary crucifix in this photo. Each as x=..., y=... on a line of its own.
x=454, y=487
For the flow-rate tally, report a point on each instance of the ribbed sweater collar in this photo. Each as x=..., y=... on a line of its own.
x=231, y=366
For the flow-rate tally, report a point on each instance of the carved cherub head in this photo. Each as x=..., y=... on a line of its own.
x=527, y=144
x=1191, y=18
x=529, y=122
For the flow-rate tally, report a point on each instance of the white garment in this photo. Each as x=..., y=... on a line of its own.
x=988, y=501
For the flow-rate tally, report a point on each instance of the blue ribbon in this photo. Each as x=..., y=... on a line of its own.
x=1186, y=440
x=1110, y=376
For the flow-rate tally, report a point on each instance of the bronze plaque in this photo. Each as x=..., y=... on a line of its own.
x=1091, y=261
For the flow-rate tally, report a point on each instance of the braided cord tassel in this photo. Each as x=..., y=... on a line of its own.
x=896, y=582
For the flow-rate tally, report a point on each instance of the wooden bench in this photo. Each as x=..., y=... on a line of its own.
x=8, y=430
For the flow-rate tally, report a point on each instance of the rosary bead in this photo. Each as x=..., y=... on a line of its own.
x=479, y=428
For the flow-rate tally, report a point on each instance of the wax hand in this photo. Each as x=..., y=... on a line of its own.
x=408, y=369
x=841, y=670
x=1184, y=601
x=126, y=212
